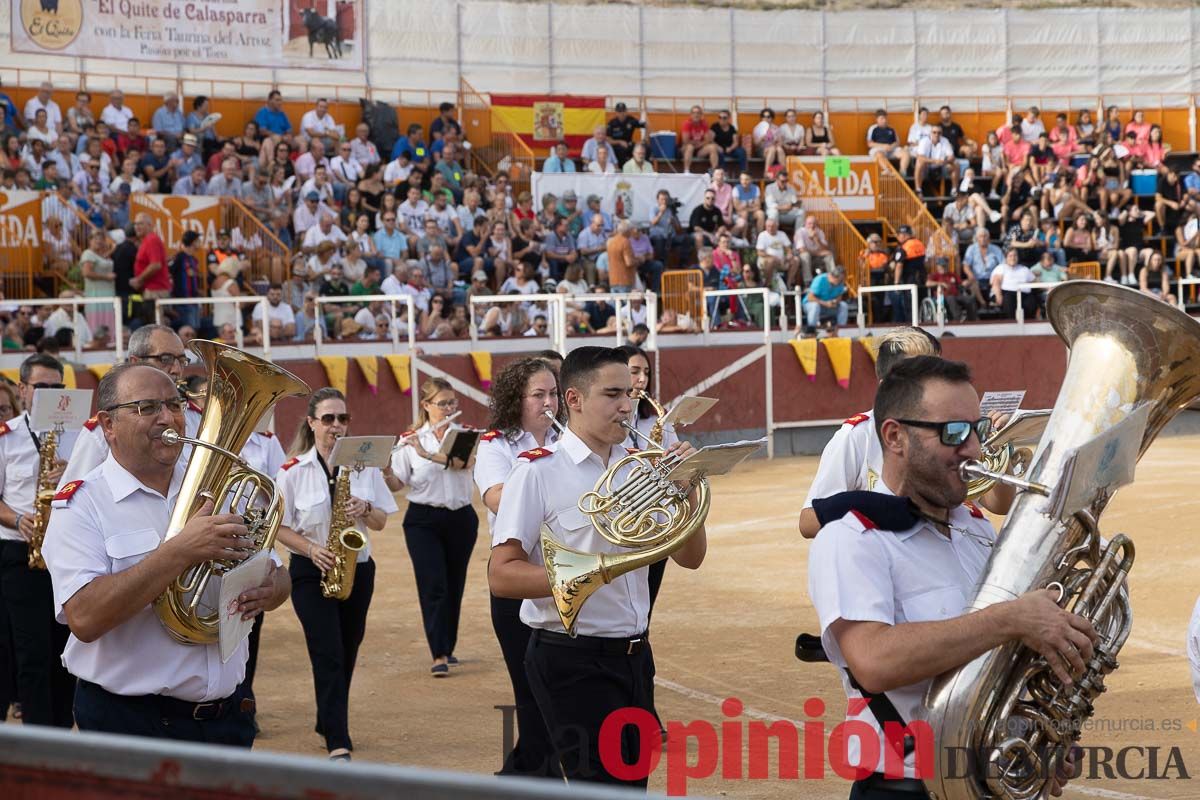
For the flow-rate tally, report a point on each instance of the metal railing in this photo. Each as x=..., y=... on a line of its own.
x=410, y=317
x=764, y=295
x=1179, y=289
x=618, y=299
x=899, y=205
x=264, y=323
x=845, y=240
x=556, y=315
x=1032, y=287
x=118, y=331
x=270, y=258
x=911, y=288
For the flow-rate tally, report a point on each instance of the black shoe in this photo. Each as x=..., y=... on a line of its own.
x=440, y=670
x=341, y=757
x=452, y=661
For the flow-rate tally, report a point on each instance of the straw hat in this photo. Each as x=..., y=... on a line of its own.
x=350, y=327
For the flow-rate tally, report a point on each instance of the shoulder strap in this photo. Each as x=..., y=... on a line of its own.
x=883, y=710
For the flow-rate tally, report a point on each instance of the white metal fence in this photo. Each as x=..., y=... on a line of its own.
x=79, y=319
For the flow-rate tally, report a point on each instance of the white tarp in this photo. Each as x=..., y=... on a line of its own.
x=631, y=197
x=667, y=53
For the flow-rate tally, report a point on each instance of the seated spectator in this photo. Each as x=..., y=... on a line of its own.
x=775, y=253
x=819, y=137
x=729, y=144
x=353, y=265
x=471, y=254
x=812, y=250
x=748, y=215
x=308, y=319
x=306, y=164
x=194, y=183
x=309, y=212
x=228, y=182
x=666, y=233
x=344, y=170
x=411, y=214
x=369, y=283
x=167, y=121
x=706, y=221
x=959, y=302
x=592, y=242
x=603, y=163
x=560, y=249
x=201, y=124
x=824, y=300
x=430, y=236
x=318, y=123
x=362, y=148
x=444, y=122
x=1009, y=286
x=1063, y=139
x=649, y=269
x=1031, y=124
x=782, y=201
x=414, y=147
x=592, y=146
x=524, y=282
x=1022, y=238
x=982, y=257
x=638, y=165
x=324, y=231
x=697, y=139
x=560, y=159
x=42, y=101
x=1153, y=278
x=271, y=117
x=439, y=270
x=882, y=141
x=116, y=114
x=935, y=158
x=919, y=131
x=620, y=130
x=768, y=140
x=952, y=132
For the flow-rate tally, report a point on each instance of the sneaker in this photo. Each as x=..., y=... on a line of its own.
x=965, y=185
x=1045, y=214
x=992, y=195
x=452, y=661
x=439, y=670
x=1109, y=279
x=994, y=216
x=343, y=756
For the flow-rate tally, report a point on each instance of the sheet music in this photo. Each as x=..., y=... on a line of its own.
x=715, y=459
x=232, y=629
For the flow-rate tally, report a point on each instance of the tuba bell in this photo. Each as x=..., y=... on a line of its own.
x=647, y=513
x=241, y=388
x=1005, y=711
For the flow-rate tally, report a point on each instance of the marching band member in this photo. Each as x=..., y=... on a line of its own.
x=578, y=681
x=644, y=418
x=156, y=346
x=333, y=629
x=440, y=525
x=108, y=561
x=524, y=405
x=45, y=689
x=889, y=582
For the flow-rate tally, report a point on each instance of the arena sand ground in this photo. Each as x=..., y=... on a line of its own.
x=728, y=630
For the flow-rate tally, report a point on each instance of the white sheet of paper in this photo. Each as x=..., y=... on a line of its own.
x=1004, y=402
x=689, y=409
x=368, y=451
x=1101, y=464
x=232, y=629
x=69, y=408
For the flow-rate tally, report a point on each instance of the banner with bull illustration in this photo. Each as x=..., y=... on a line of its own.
x=322, y=34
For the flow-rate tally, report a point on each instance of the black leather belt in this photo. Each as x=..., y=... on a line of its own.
x=596, y=644
x=179, y=709
x=879, y=782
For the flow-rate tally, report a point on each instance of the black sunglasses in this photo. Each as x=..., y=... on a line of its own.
x=328, y=419
x=41, y=385
x=955, y=432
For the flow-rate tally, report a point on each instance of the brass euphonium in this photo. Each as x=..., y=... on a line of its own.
x=241, y=388
x=344, y=541
x=1008, y=450
x=1005, y=713
x=647, y=513
x=47, y=454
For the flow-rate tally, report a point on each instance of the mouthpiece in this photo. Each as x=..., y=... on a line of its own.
x=558, y=426
x=970, y=470
x=170, y=436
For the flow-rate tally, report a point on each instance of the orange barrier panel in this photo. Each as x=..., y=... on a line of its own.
x=683, y=292
x=1084, y=270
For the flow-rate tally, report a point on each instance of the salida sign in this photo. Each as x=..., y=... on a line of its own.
x=174, y=215
x=854, y=193
x=20, y=228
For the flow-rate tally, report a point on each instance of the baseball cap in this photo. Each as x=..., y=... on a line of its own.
x=569, y=194
x=593, y=198
x=622, y=107
x=189, y=139
x=479, y=275
x=312, y=196
x=904, y=229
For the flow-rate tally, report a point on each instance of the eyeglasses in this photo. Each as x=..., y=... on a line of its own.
x=42, y=385
x=151, y=408
x=446, y=403
x=165, y=359
x=955, y=432
x=329, y=419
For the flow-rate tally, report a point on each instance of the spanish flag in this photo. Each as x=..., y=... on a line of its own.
x=540, y=120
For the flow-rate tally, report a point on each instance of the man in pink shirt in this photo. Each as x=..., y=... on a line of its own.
x=697, y=140
x=151, y=278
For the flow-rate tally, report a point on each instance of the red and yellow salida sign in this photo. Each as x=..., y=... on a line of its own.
x=174, y=215
x=20, y=231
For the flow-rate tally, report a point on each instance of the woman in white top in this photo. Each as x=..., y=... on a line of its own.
x=98, y=279
x=440, y=525
x=524, y=398
x=767, y=140
x=225, y=285
x=791, y=134
x=333, y=629
x=1009, y=286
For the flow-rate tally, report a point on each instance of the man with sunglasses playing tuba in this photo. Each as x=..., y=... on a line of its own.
x=108, y=562
x=889, y=578
x=153, y=345
x=579, y=681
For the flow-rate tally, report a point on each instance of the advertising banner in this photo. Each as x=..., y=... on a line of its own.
x=631, y=197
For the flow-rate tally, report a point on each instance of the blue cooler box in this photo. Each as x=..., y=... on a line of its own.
x=662, y=145
x=1078, y=160
x=1144, y=182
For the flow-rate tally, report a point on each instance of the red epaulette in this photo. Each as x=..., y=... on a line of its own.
x=67, y=490
x=535, y=454
x=407, y=434
x=193, y=407
x=856, y=419
x=487, y=437
x=975, y=510
x=267, y=434
x=864, y=520
x=4, y=428
x=92, y=423
x=631, y=450
x=291, y=462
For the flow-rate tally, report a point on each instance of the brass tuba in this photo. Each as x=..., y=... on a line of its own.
x=1009, y=449
x=1005, y=713
x=345, y=541
x=241, y=388
x=47, y=454
x=647, y=513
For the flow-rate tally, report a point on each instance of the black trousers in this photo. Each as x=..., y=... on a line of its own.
x=161, y=718
x=439, y=543
x=655, y=577
x=576, y=690
x=45, y=689
x=8, y=664
x=532, y=754
x=876, y=788
x=333, y=631
x=252, y=661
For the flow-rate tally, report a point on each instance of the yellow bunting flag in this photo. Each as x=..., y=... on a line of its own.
x=335, y=371
x=12, y=373
x=806, y=352
x=370, y=370
x=871, y=345
x=69, y=376
x=840, y=356
x=482, y=361
x=400, y=366
x=99, y=370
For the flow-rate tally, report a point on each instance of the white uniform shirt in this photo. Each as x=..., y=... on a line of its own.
x=264, y=453
x=669, y=437
x=546, y=489
x=109, y=524
x=496, y=456
x=307, y=506
x=19, y=464
x=853, y=460
x=91, y=448
x=862, y=574
x=431, y=484
x=1193, y=648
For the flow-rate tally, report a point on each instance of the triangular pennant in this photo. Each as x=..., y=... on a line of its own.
x=12, y=373
x=871, y=345
x=400, y=366
x=806, y=352
x=840, y=356
x=370, y=370
x=482, y=361
x=335, y=371
x=99, y=370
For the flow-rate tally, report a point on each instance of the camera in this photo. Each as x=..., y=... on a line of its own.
x=674, y=204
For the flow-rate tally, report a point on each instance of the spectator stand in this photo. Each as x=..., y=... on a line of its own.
x=1181, y=283
x=556, y=317
x=117, y=339
x=622, y=298
x=911, y=288
x=899, y=205
x=845, y=240
x=265, y=327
